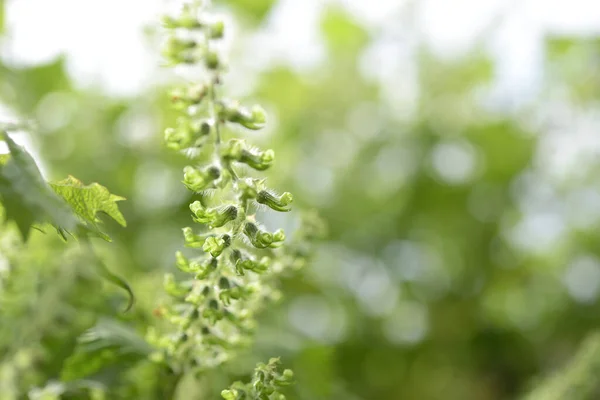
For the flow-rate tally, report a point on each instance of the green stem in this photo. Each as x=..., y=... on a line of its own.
x=104, y=272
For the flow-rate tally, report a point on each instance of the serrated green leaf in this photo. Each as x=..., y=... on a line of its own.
x=26, y=196
x=108, y=343
x=29, y=200
x=87, y=201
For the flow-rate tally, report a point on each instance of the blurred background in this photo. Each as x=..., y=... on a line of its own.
x=452, y=147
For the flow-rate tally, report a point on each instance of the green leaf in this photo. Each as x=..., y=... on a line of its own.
x=29, y=200
x=253, y=10
x=87, y=201
x=108, y=343
x=35, y=82
x=26, y=196
x=342, y=33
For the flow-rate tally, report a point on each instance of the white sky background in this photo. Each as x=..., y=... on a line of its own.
x=105, y=45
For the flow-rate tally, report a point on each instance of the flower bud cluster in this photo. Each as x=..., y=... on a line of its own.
x=266, y=384
x=230, y=273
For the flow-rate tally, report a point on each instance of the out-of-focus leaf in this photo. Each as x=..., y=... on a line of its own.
x=82, y=390
x=26, y=196
x=342, y=33
x=495, y=141
x=456, y=78
x=574, y=61
x=32, y=84
x=4, y=159
x=108, y=343
x=577, y=380
x=89, y=200
x=255, y=10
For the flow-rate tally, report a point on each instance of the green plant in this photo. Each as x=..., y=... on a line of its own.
x=266, y=383
x=68, y=206
x=231, y=273
x=59, y=281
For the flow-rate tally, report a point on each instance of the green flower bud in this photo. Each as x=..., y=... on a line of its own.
x=205, y=128
x=236, y=259
x=187, y=19
x=254, y=118
x=213, y=304
x=178, y=98
x=211, y=60
x=185, y=135
x=278, y=235
x=196, y=93
x=288, y=374
x=224, y=283
x=216, y=30
x=243, y=262
x=213, y=312
x=277, y=203
x=178, y=50
x=182, y=263
x=202, y=214
x=262, y=265
x=170, y=22
x=172, y=288
x=224, y=214
x=258, y=118
x=183, y=98
x=284, y=379
x=215, y=217
x=249, y=188
x=259, y=385
x=215, y=245
x=235, y=256
x=205, y=268
x=235, y=292
x=228, y=394
x=234, y=149
x=198, y=180
x=194, y=298
x=237, y=150
x=191, y=239
x=259, y=238
x=175, y=141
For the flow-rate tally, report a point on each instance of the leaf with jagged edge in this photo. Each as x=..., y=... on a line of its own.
x=87, y=201
x=26, y=196
x=30, y=201
x=107, y=343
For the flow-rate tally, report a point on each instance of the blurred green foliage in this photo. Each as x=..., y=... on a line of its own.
x=432, y=284
x=253, y=10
